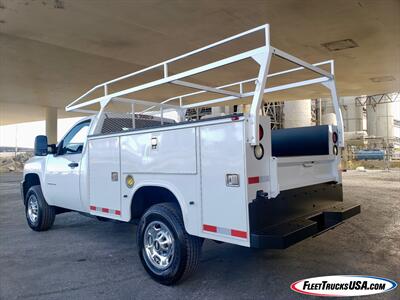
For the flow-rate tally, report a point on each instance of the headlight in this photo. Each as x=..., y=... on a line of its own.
x=259, y=151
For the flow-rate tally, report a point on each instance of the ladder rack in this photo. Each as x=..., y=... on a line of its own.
x=262, y=55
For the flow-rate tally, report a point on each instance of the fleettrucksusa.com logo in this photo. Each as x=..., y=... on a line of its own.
x=343, y=286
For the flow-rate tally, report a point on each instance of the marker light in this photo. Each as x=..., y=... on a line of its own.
x=334, y=137
x=260, y=132
x=259, y=151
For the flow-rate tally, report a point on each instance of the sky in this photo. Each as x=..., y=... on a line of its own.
x=24, y=134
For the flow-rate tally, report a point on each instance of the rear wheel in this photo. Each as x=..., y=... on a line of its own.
x=167, y=251
x=39, y=215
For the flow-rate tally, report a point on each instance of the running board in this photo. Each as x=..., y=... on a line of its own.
x=282, y=236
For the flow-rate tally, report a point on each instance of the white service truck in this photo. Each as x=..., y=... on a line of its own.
x=228, y=178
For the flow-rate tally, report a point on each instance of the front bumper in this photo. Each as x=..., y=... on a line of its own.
x=298, y=214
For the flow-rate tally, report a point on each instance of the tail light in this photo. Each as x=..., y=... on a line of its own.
x=260, y=132
x=334, y=137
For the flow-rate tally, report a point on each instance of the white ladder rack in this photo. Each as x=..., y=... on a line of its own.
x=262, y=55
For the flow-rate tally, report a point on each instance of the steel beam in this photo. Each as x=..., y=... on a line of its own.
x=377, y=99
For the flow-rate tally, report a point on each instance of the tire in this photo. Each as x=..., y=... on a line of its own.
x=36, y=205
x=184, y=249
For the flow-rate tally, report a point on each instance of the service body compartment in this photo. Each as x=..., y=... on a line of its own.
x=160, y=152
x=104, y=177
x=168, y=159
x=224, y=208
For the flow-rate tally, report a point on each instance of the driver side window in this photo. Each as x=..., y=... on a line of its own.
x=75, y=139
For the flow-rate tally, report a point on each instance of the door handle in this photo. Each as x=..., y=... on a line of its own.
x=73, y=165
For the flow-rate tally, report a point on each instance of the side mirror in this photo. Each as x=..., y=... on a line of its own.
x=41, y=145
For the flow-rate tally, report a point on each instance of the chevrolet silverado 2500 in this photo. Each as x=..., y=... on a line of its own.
x=228, y=178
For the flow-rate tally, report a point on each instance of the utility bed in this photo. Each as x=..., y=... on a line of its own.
x=234, y=179
x=187, y=178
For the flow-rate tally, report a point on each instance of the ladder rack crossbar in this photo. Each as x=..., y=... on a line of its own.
x=239, y=83
x=266, y=90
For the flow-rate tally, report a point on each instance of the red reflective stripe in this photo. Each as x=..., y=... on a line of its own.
x=105, y=210
x=253, y=180
x=209, y=228
x=239, y=233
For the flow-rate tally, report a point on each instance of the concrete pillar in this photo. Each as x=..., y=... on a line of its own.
x=240, y=108
x=216, y=111
x=297, y=113
x=51, y=124
x=228, y=109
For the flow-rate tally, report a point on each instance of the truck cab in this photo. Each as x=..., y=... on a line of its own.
x=59, y=172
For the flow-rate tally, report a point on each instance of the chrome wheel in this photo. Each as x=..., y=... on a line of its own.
x=159, y=245
x=33, y=209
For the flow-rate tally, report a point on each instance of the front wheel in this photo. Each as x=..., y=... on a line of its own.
x=39, y=214
x=168, y=253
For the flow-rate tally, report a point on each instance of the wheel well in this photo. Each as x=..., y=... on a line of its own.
x=29, y=181
x=147, y=196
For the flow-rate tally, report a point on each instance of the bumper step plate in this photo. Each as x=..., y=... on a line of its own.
x=281, y=236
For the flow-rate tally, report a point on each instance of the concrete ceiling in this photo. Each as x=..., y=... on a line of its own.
x=52, y=51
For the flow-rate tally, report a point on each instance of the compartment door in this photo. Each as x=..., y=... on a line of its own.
x=104, y=177
x=224, y=207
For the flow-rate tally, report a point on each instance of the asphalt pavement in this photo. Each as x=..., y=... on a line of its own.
x=83, y=258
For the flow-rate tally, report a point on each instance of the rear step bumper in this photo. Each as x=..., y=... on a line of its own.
x=286, y=234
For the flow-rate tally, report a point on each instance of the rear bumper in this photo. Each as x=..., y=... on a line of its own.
x=298, y=214
x=284, y=235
